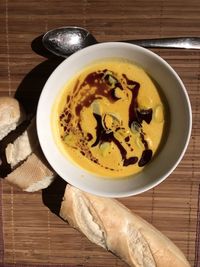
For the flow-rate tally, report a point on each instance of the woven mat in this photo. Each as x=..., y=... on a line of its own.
x=31, y=234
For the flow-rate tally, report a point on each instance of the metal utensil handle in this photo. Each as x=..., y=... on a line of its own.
x=179, y=42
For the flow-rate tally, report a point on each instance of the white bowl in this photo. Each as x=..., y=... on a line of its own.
x=177, y=137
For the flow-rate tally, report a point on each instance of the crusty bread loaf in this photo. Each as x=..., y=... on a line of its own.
x=23, y=146
x=32, y=175
x=30, y=170
x=112, y=226
x=11, y=115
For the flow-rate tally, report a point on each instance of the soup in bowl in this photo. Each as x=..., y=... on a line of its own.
x=109, y=119
x=114, y=119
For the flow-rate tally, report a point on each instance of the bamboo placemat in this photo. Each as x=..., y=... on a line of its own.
x=31, y=234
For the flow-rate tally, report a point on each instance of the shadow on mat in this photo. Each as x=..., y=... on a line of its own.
x=52, y=196
x=28, y=93
x=34, y=81
x=30, y=88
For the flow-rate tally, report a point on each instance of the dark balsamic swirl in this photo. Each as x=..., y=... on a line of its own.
x=105, y=82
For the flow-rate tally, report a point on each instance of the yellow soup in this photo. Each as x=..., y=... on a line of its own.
x=109, y=118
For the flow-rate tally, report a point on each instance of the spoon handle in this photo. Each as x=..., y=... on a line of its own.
x=179, y=42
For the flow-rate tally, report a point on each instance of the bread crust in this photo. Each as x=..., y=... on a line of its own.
x=119, y=230
x=11, y=115
x=23, y=146
x=30, y=170
x=7, y=102
x=32, y=175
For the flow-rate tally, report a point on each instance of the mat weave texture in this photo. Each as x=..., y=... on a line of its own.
x=31, y=234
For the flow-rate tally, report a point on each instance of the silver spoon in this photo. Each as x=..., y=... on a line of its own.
x=67, y=40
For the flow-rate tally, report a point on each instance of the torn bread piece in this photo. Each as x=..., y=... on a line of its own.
x=11, y=115
x=23, y=146
x=32, y=175
x=106, y=222
x=29, y=169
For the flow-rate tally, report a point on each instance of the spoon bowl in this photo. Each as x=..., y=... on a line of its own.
x=65, y=41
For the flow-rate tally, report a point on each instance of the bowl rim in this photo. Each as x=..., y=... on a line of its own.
x=122, y=45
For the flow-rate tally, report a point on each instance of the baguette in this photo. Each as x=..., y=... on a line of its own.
x=29, y=169
x=11, y=115
x=32, y=175
x=109, y=224
x=23, y=146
